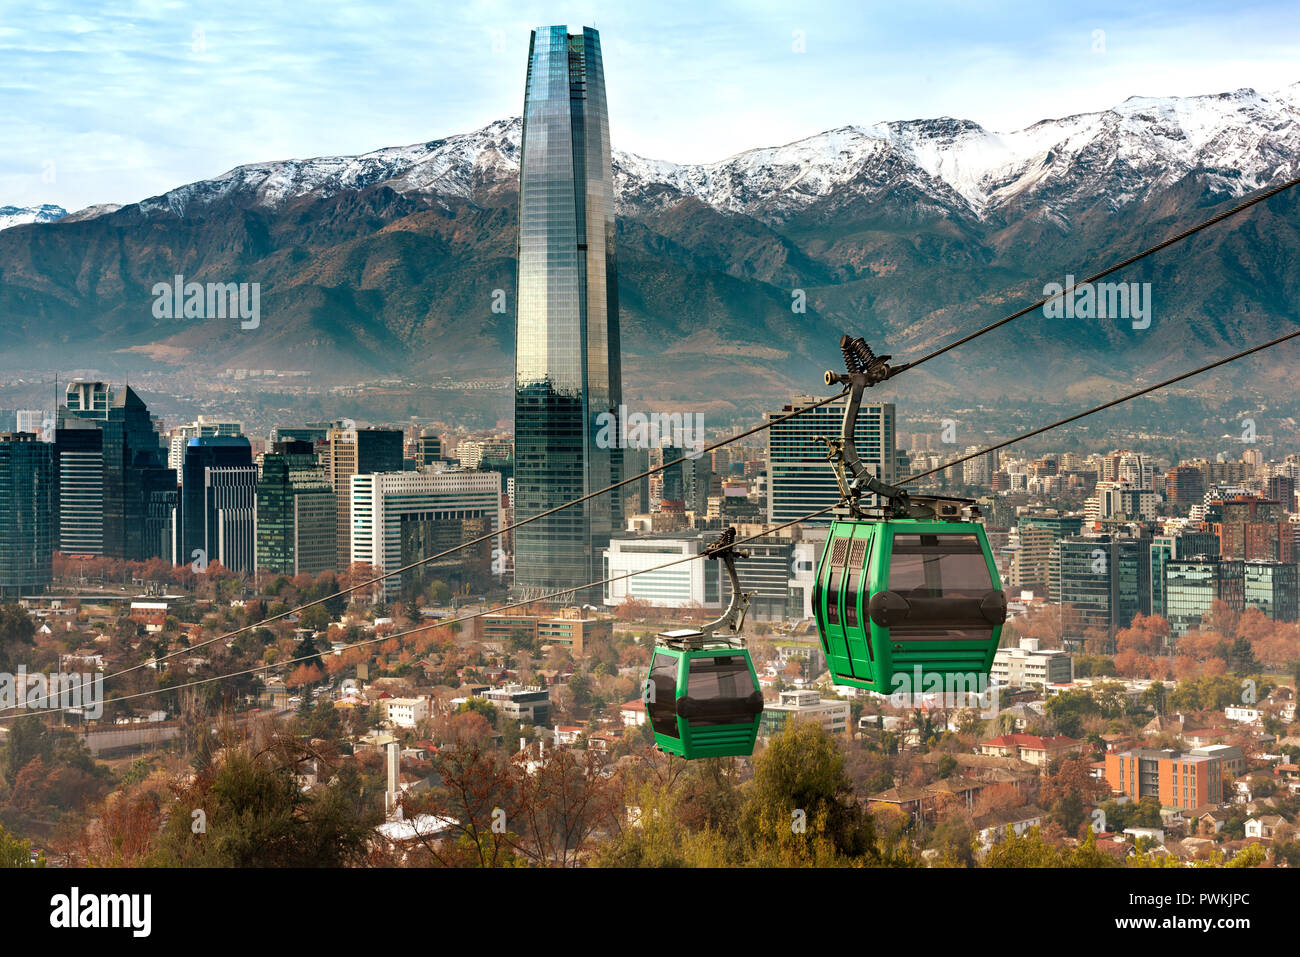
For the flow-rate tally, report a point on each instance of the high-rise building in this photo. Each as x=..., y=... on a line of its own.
x=140, y=494
x=568, y=376
x=401, y=518
x=428, y=448
x=800, y=479
x=26, y=513
x=88, y=399
x=79, y=480
x=1179, y=546
x=219, y=502
x=1273, y=588
x=1184, y=485
x=1104, y=579
x=356, y=451
x=1193, y=585
x=1251, y=528
x=296, y=514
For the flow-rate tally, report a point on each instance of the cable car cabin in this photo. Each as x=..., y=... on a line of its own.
x=702, y=696
x=899, y=600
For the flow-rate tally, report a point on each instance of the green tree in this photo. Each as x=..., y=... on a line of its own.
x=17, y=853
x=799, y=808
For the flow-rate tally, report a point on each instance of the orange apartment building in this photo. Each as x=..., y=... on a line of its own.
x=1175, y=778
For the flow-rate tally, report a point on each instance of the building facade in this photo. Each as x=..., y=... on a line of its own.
x=567, y=349
x=800, y=479
x=26, y=514
x=405, y=518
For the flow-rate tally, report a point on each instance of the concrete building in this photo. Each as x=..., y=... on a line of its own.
x=1031, y=665
x=403, y=518
x=832, y=715
x=1183, y=780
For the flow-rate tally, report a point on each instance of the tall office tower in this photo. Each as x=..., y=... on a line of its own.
x=219, y=502
x=139, y=489
x=356, y=451
x=26, y=510
x=296, y=515
x=428, y=448
x=567, y=353
x=79, y=486
x=401, y=518
x=88, y=399
x=1105, y=579
x=799, y=479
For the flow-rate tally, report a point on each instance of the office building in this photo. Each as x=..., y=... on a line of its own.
x=1272, y=588
x=1193, y=585
x=79, y=487
x=1104, y=580
x=26, y=512
x=140, y=491
x=428, y=448
x=403, y=518
x=296, y=513
x=567, y=350
x=832, y=714
x=219, y=503
x=800, y=479
x=1031, y=665
x=690, y=583
x=356, y=451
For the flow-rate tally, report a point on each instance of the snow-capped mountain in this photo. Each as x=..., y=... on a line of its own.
x=1241, y=140
x=908, y=232
x=20, y=215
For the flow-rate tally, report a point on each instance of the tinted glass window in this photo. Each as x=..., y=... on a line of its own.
x=833, y=597
x=720, y=679
x=663, y=697
x=938, y=566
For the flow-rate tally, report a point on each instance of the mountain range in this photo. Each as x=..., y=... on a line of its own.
x=910, y=233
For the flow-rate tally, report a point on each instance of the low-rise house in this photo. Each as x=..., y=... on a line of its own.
x=1031, y=748
x=1264, y=826
x=992, y=827
x=1207, y=821
x=911, y=800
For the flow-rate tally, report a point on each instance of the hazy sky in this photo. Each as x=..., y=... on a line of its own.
x=119, y=100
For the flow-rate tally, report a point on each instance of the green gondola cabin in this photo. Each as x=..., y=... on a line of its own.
x=899, y=600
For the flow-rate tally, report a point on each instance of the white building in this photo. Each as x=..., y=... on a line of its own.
x=1029, y=665
x=689, y=583
x=806, y=705
x=406, y=712
x=384, y=502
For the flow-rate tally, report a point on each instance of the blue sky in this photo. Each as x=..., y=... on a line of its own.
x=123, y=99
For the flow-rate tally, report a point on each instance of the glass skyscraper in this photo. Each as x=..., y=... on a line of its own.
x=567, y=370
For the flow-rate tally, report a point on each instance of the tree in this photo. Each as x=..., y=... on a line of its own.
x=17, y=633
x=256, y=815
x=799, y=807
x=17, y=853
